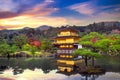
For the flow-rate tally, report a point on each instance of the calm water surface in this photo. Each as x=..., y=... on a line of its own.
x=46, y=69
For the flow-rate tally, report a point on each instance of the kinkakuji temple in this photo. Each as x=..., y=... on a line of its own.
x=67, y=41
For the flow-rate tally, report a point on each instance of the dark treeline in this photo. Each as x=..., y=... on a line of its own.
x=49, y=32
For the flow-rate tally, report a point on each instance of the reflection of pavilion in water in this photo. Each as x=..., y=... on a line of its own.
x=66, y=42
x=48, y=66
x=81, y=76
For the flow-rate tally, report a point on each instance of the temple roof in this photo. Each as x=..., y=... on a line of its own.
x=68, y=29
x=58, y=37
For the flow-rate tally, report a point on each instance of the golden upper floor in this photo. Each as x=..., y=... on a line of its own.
x=66, y=36
x=68, y=33
x=66, y=40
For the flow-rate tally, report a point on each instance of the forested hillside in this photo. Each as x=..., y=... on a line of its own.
x=49, y=31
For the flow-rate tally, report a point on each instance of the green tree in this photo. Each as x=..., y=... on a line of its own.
x=86, y=53
x=114, y=49
x=2, y=41
x=6, y=49
x=53, y=50
x=91, y=35
x=20, y=40
x=33, y=49
x=93, y=56
x=83, y=52
x=13, y=48
x=26, y=47
x=103, y=45
x=30, y=48
x=46, y=45
x=86, y=40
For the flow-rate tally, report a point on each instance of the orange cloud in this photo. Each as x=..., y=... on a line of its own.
x=36, y=16
x=31, y=21
x=32, y=17
x=40, y=10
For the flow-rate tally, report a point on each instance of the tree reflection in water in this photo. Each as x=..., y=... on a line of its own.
x=2, y=68
x=17, y=70
x=83, y=76
x=20, y=64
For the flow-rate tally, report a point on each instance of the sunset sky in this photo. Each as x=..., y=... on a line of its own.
x=15, y=14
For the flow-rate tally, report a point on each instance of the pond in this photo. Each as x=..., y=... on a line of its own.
x=46, y=69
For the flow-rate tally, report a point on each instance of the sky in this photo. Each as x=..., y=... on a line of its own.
x=17, y=14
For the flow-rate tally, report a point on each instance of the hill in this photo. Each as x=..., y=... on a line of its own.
x=49, y=31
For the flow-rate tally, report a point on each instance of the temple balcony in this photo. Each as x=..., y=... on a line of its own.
x=65, y=42
x=70, y=34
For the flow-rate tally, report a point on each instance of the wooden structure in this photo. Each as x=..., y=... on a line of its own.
x=66, y=42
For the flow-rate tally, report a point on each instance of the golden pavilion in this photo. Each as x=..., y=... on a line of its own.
x=66, y=41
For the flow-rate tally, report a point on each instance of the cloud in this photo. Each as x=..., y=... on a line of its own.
x=73, y=21
x=8, y=5
x=49, y=0
x=40, y=9
x=91, y=8
x=83, y=8
x=7, y=14
x=9, y=8
x=95, y=13
x=110, y=12
x=2, y=27
x=108, y=16
x=33, y=16
x=31, y=21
